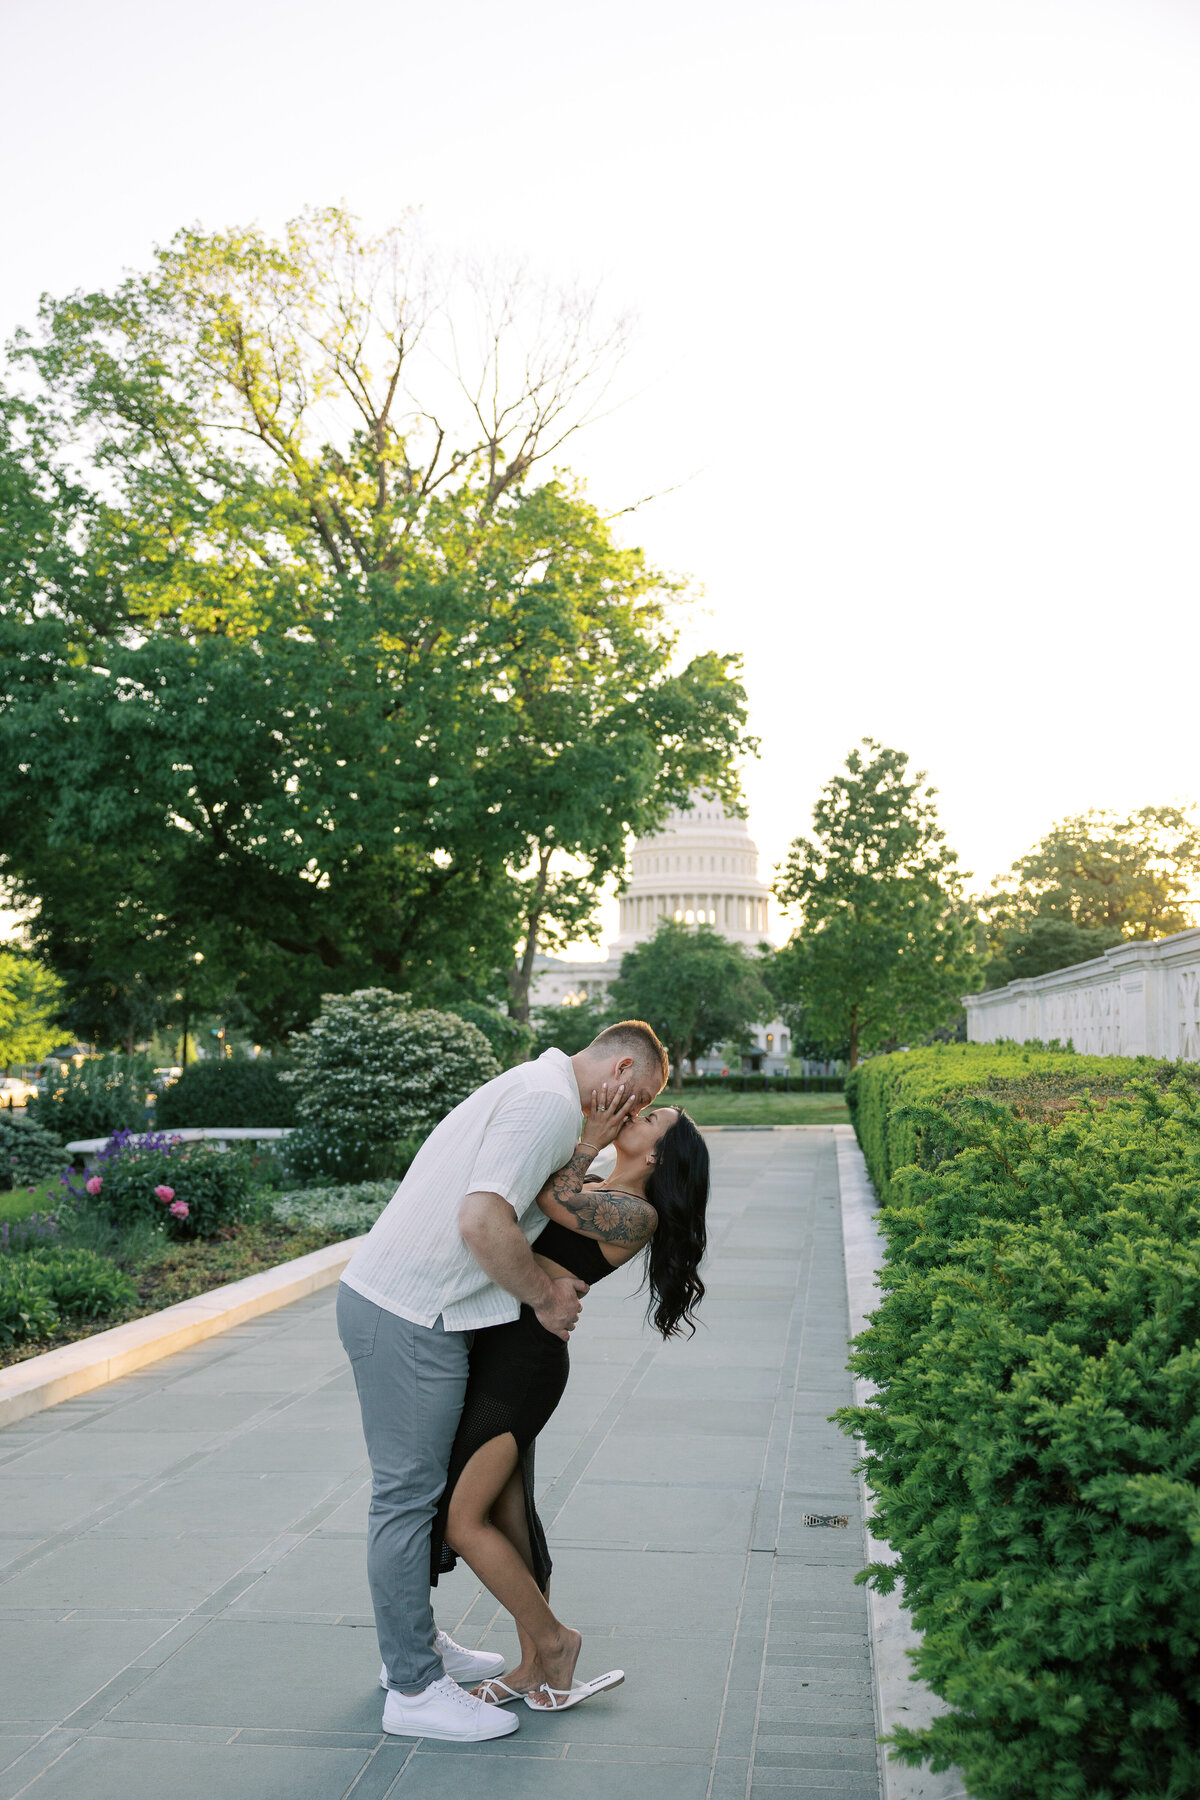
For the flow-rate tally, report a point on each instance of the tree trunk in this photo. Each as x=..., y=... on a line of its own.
x=678, y=1052
x=853, y=1037
x=521, y=979
x=183, y=1045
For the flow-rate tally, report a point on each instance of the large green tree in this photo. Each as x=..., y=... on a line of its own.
x=30, y=1001
x=316, y=674
x=884, y=946
x=695, y=988
x=1129, y=877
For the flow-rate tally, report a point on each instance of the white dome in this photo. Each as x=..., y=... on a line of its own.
x=701, y=867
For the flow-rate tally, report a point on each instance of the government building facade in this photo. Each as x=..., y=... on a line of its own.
x=701, y=868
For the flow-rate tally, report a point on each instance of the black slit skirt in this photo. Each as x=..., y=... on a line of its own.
x=516, y=1379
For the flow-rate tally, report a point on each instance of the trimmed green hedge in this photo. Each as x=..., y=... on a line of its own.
x=233, y=1092
x=1034, y=1444
x=886, y=1095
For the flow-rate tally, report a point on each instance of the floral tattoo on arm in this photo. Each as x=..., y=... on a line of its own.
x=599, y=1212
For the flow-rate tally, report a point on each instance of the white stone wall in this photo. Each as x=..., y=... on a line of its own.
x=1140, y=999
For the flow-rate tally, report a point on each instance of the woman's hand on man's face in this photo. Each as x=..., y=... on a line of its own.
x=608, y=1114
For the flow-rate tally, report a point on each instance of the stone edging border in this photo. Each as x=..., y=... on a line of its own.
x=898, y=1698
x=57, y=1375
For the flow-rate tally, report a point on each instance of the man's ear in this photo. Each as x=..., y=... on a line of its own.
x=623, y=1068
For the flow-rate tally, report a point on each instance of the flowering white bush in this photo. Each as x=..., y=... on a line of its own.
x=371, y=1068
x=345, y=1210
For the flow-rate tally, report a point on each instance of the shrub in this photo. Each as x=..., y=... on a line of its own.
x=26, y=1309
x=1034, y=1444
x=886, y=1094
x=29, y=1154
x=106, y=1093
x=315, y=1156
x=25, y=1234
x=339, y=1211
x=511, y=1041
x=230, y=1092
x=372, y=1071
x=81, y=1284
x=190, y=1190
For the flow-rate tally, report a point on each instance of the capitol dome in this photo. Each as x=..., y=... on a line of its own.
x=701, y=867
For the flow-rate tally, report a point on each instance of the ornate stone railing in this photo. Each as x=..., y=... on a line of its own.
x=1137, y=1000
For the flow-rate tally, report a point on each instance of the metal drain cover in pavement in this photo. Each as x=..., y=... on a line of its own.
x=826, y=1519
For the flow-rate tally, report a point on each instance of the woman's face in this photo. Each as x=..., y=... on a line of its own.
x=642, y=1134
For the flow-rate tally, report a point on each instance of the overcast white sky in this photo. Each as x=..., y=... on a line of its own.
x=918, y=287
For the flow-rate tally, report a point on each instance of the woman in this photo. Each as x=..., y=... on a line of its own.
x=653, y=1201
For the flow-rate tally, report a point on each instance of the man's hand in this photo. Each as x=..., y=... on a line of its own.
x=561, y=1310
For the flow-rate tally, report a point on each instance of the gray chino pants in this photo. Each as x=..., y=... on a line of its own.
x=411, y=1380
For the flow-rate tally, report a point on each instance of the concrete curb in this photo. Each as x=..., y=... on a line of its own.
x=899, y=1699
x=73, y=1369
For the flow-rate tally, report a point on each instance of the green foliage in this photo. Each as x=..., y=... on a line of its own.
x=570, y=1028
x=889, y=1096
x=337, y=1211
x=232, y=1091
x=373, y=1070
x=295, y=705
x=693, y=986
x=510, y=1040
x=1104, y=873
x=212, y=1186
x=104, y=1094
x=30, y=1003
x=46, y=1283
x=1034, y=1444
x=884, y=948
x=1039, y=946
x=29, y=1154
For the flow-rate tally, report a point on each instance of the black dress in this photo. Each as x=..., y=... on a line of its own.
x=517, y=1376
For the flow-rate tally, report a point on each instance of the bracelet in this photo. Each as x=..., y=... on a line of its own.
x=584, y=1145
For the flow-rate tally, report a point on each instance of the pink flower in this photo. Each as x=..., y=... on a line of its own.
x=164, y=1194
x=178, y=1209
x=94, y=1184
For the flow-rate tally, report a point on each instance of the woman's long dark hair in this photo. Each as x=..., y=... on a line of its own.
x=677, y=1189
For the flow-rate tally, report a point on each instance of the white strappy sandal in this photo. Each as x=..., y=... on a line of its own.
x=490, y=1691
x=561, y=1699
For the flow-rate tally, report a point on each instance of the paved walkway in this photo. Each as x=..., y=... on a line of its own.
x=183, y=1608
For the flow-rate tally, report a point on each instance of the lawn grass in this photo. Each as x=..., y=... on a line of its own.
x=714, y=1108
x=21, y=1201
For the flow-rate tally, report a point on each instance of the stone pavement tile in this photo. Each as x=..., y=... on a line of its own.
x=670, y=1692
x=128, y=1769
x=271, y=1676
x=666, y=1416
x=234, y=1376
x=656, y=1517
x=725, y=1461
x=30, y=1503
x=350, y=1515
x=52, y=1666
x=327, y=1576
x=214, y=1505
x=813, y=1784
x=153, y=1572
x=275, y=1449
x=12, y=1746
x=439, y=1776
x=170, y=1411
x=91, y=1452
x=681, y=1381
x=679, y=1593
x=649, y=1755
x=13, y=1547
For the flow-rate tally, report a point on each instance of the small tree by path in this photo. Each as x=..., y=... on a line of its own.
x=884, y=949
x=694, y=987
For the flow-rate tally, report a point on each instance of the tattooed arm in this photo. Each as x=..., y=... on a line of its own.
x=598, y=1212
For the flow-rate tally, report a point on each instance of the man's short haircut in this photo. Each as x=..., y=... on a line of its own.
x=633, y=1037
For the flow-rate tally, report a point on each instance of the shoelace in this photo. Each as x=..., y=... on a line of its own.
x=451, y=1690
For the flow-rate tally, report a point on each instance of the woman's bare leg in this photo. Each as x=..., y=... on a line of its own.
x=500, y=1565
x=508, y=1515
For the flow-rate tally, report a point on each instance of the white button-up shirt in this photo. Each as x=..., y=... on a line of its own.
x=507, y=1138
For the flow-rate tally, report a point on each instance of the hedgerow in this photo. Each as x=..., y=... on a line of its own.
x=236, y=1092
x=886, y=1093
x=1034, y=1444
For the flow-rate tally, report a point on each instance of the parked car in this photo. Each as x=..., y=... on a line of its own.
x=14, y=1091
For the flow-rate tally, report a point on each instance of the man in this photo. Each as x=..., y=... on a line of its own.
x=449, y=1255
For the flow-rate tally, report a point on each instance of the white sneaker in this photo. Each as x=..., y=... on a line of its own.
x=468, y=1666
x=444, y=1710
